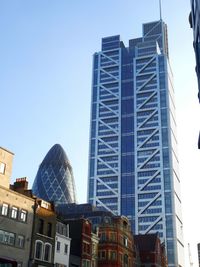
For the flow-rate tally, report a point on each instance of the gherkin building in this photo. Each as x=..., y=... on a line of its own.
x=54, y=180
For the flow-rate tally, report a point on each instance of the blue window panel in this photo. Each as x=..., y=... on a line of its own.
x=127, y=71
x=110, y=39
x=110, y=46
x=110, y=179
x=169, y=226
x=109, y=200
x=95, y=61
x=127, y=125
x=110, y=42
x=170, y=252
x=126, y=57
x=127, y=164
x=128, y=185
x=104, y=193
x=91, y=188
x=93, y=129
x=167, y=179
x=92, y=148
x=95, y=77
x=132, y=221
x=165, y=158
x=94, y=94
x=161, y=63
x=94, y=111
x=91, y=167
x=162, y=80
x=143, y=227
x=127, y=106
x=147, y=219
x=128, y=206
x=163, y=99
x=165, y=137
x=127, y=89
x=127, y=143
x=164, y=117
x=168, y=203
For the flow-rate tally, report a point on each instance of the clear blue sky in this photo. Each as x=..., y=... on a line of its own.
x=46, y=52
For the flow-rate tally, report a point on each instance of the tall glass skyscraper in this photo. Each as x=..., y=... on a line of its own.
x=54, y=180
x=133, y=162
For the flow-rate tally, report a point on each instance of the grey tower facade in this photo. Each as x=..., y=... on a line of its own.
x=194, y=19
x=133, y=162
x=54, y=180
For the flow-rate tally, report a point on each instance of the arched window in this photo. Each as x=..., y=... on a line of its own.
x=38, y=249
x=47, y=252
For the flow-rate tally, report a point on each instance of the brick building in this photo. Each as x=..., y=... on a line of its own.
x=152, y=252
x=116, y=245
x=84, y=243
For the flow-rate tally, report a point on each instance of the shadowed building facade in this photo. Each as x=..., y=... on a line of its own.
x=54, y=180
x=133, y=162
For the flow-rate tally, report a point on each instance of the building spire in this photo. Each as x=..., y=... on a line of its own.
x=160, y=8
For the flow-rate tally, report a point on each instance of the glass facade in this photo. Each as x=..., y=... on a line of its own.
x=54, y=180
x=133, y=163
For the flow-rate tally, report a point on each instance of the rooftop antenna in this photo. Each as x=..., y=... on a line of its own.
x=160, y=8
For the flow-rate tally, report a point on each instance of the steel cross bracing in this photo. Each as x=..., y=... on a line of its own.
x=148, y=182
x=108, y=131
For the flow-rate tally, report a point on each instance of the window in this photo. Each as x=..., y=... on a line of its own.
x=49, y=228
x=7, y=238
x=103, y=237
x=23, y=215
x=10, y=238
x=38, y=249
x=113, y=255
x=125, y=241
x=40, y=226
x=2, y=167
x=14, y=212
x=47, y=252
x=102, y=254
x=4, y=210
x=86, y=263
x=86, y=247
x=113, y=237
x=1, y=236
x=45, y=204
x=20, y=241
x=58, y=246
x=94, y=248
x=125, y=260
x=66, y=249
